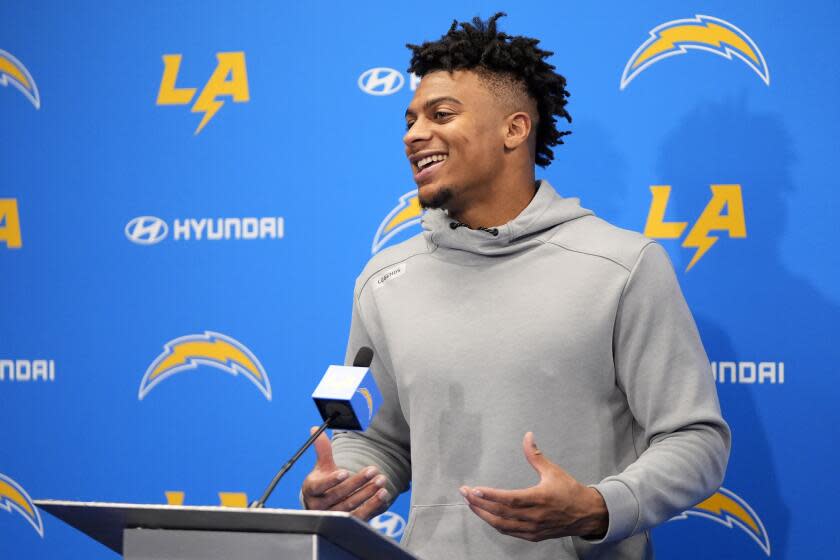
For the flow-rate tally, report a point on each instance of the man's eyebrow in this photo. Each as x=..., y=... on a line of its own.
x=435, y=101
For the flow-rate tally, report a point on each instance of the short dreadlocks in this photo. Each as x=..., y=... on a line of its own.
x=480, y=47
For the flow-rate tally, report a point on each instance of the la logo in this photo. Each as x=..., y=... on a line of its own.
x=10, y=223
x=713, y=218
x=229, y=78
x=226, y=499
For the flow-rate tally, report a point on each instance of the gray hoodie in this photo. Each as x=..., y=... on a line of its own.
x=560, y=324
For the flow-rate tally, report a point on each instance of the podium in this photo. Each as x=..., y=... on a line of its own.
x=162, y=532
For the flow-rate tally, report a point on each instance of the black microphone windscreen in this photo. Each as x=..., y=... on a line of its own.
x=363, y=357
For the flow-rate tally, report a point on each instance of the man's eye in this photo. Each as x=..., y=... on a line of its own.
x=442, y=114
x=408, y=124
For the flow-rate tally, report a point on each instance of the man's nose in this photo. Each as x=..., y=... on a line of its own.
x=418, y=132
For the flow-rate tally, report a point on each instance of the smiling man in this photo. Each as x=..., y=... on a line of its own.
x=519, y=317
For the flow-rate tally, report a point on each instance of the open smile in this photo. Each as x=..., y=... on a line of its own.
x=428, y=165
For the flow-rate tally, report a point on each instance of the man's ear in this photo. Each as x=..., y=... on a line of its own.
x=518, y=129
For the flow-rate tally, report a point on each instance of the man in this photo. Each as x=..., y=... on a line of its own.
x=519, y=312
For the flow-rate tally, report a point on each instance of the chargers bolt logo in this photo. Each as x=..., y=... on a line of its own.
x=381, y=81
x=729, y=509
x=146, y=230
x=704, y=33
x=13, y=72
x=209, y=349
x=13, y=497
x=405, y=214
x=368, y=399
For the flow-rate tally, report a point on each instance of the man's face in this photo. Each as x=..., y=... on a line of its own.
x=454, y=139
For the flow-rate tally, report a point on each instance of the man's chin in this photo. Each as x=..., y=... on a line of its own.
x=434, y=197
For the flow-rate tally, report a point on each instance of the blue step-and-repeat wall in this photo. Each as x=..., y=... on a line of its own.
x=189, y=189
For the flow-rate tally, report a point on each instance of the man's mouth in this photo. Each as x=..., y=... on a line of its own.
x=430, y=161
x=427, y=166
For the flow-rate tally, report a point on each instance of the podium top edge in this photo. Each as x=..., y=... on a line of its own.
x=106, y=521
x=46, y=504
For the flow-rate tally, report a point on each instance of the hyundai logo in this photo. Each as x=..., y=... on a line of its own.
x=389, y=524
x=381, y=81
x=146, y=230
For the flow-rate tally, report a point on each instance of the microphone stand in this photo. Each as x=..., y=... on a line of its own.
x=257, y=504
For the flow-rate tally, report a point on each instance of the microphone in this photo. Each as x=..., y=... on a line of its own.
x=363, y=357
x=342, y=392
x=347, y=396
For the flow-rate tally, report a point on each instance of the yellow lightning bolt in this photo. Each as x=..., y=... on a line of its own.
x=229, y=78
x=401, y=216
x=729, y=509
x=11, y=493
x=713, y=218
x=698, y=238
x=7, y=67
x=718, y=504
x=710, y=34
x=411, y=211
x=366, y=394
x=14, y=73
x=217, y=350
x=207, y=105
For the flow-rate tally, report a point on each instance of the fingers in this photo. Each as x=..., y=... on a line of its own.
x=529, y=536
x=360, y=496
x=340, y=492
x=524, y=498
x=317, y=483
x=525, y=513
x=522, y=529
x=514, y=527
x=377, y=504
x=329, y=490
x=323, y=452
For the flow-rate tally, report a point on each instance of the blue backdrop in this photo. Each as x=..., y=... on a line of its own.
x=189, y=190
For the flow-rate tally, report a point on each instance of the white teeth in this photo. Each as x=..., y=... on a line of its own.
x=428, y=160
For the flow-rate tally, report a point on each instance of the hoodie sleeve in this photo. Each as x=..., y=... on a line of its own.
x=662, y=368
x=386, y=441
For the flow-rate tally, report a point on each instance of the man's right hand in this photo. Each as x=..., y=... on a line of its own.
x=327, y=487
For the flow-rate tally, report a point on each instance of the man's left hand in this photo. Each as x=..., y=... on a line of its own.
x=558, y=506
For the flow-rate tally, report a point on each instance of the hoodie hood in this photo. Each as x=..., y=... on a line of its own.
x=546, y=210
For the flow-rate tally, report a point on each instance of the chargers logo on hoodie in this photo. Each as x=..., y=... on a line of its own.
x=729, y=509
x=405, y=214
x=703, y=33
x=13, y=497
x=209, y=349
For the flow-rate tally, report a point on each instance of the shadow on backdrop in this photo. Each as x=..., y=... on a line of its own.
x=749, y=307
x=590, y=167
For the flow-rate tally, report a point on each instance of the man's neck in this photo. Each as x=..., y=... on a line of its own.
x=502, y=202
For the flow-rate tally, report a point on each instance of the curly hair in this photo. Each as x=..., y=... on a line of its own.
x=494, y=55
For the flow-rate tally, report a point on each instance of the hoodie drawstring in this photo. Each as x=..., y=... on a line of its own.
x=492, y=231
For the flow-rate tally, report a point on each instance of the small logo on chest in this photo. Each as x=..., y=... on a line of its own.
x=389, y=274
